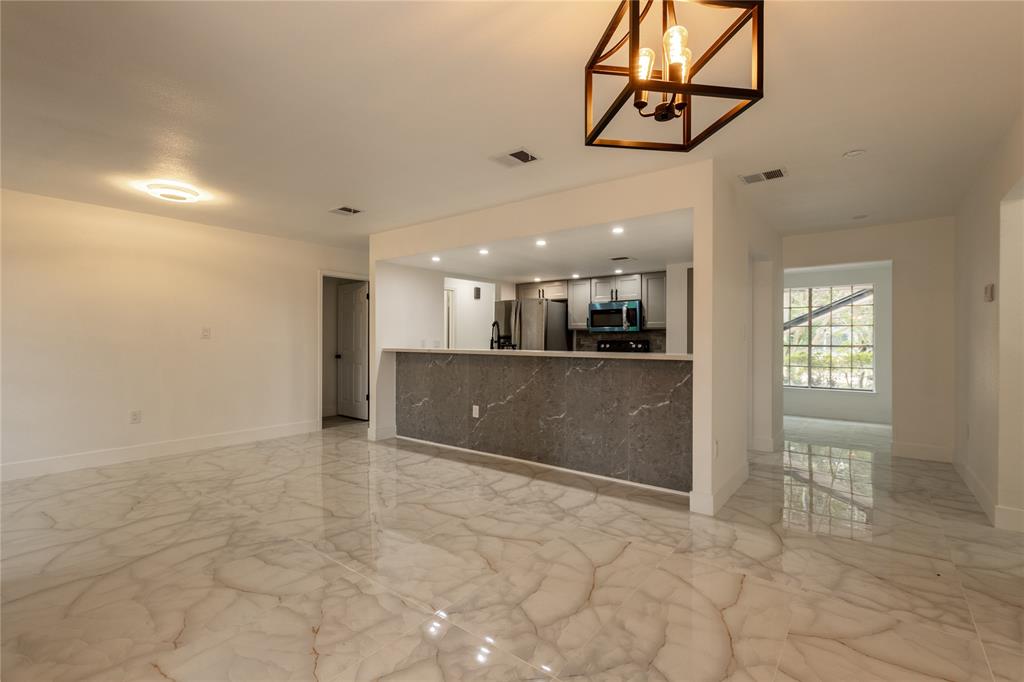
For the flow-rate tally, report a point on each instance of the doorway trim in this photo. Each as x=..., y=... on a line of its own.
x=318, y=340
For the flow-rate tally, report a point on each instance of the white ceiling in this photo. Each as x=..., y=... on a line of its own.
x=650, y=243
x=286, y=110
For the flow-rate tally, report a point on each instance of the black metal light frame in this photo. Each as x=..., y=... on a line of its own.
x=753, y=11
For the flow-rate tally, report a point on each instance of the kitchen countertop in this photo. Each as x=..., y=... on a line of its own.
x=548, y=353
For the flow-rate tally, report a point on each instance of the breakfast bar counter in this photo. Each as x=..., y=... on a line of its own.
x=621, y=415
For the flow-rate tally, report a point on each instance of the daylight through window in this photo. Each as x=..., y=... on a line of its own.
x=829, y=337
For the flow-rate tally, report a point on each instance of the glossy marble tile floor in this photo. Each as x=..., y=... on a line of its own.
x=327, y=557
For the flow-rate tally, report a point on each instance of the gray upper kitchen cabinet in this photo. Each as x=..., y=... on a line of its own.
x=602, y=289
x=617, y=288
x=628, y=288
x=654, y=300
x=555, y=289
x=579, y=303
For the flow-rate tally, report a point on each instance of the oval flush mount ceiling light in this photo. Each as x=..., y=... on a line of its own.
x=172, y=190
x=484, y=252
x=541, y=242
x=436, y=259
x=618, y=229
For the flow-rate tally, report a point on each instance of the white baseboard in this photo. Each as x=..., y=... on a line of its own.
x=932, y=453
x=1009, y=518
x=95, y=458
x=985, y=498
x=381, y=432
x=646, y=486
x=769, y=444
x=709, y=504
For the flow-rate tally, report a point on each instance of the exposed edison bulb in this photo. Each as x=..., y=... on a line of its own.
x=684, y=77
x=677, y=56
x=645, y=63
x=676, y=39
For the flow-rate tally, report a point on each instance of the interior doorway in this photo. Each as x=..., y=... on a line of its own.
x=346, y=349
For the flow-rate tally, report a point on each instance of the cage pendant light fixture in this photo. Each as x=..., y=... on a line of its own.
x=665, y=95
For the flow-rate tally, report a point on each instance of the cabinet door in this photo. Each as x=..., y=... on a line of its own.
x=628, y=288
x=558, y=289
x=579, y=303
x=602, y=289
x=654, y=300
x=527, y=291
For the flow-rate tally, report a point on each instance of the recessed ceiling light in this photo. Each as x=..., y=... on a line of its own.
x=536, y=279
x=618, y=271
x=618, y=229
x=484, y=252
x=541, y=242
x=860, y=216
x=575, y=275
x=854, y=152
x=172, y=190
x=436, y=259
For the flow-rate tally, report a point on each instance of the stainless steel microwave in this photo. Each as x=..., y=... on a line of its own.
x=614, y=316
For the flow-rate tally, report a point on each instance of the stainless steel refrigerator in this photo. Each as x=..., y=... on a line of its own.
x=534, y=324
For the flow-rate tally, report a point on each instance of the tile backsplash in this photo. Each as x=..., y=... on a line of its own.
x=587, y=341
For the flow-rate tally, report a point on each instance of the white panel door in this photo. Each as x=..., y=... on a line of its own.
x=354, y=346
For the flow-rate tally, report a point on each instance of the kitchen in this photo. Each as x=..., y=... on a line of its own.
x=586, y=366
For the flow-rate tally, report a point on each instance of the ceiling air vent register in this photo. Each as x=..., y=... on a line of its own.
x=347, y=210
x=515, y=159
x=774, y=174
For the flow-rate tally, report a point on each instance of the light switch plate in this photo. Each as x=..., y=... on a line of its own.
x=476, y=412
x=206, y=333
x=990, y=293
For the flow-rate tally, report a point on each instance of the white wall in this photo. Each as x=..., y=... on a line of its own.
x=329, y=365
x=1010, y=294
x=676, y=311
x=766, y=350
x=102, y=312
x=725, y=334
x=977, y=333
x=473, y=317
x=857, y=406
x=923, y=321
x=406, y=311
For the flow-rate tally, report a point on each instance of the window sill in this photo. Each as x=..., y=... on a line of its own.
x=855, y=391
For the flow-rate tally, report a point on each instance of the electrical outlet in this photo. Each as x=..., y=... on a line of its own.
x=135, y=417
x=206, y=333
x=476, y=412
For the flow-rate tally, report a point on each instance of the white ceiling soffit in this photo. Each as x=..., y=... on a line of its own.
x=649, y=243
x=285, y=111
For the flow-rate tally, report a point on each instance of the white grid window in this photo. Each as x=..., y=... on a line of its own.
x=829, y=337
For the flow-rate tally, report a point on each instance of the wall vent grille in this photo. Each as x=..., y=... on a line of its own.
x=773, y=174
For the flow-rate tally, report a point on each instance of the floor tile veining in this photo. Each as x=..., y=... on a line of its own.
x=329, y=557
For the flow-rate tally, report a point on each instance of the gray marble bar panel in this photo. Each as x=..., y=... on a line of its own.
x=626, y=419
